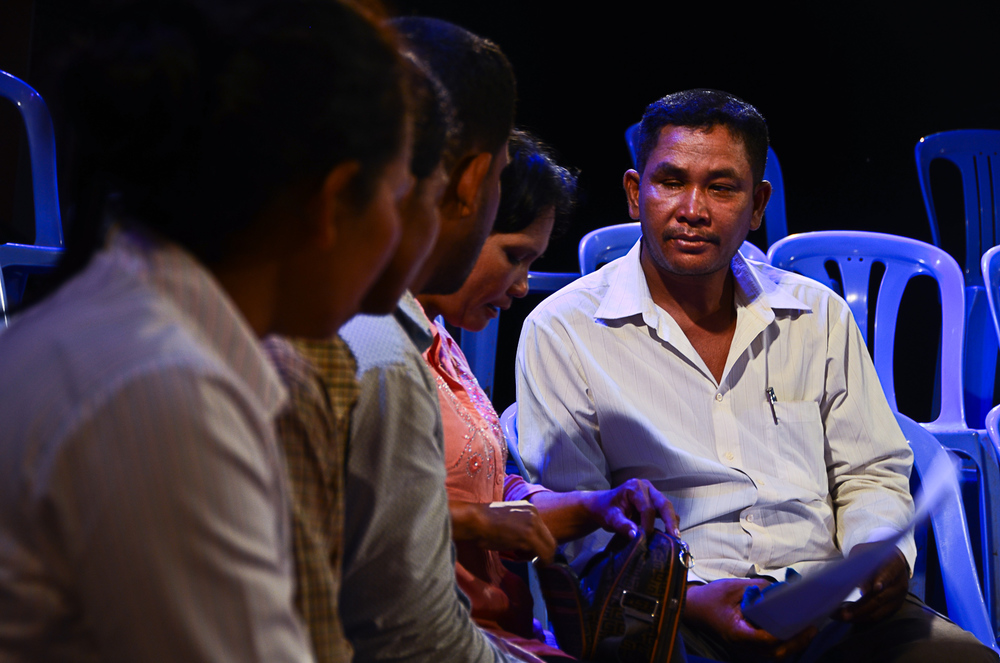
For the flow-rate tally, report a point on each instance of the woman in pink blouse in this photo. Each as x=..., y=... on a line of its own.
x=537, y=196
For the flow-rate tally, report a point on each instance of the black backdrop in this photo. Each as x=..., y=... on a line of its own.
x=847, y=89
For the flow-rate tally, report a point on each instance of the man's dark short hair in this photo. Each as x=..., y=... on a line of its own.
x=704, y=109
x=476, y=74
x=433, y=117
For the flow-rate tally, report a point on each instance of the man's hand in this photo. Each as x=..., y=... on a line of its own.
x=882, y=595
x=716, y=606
x=514, y=527
x=634, y=502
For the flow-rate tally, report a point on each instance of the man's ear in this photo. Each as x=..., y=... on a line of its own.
x=468, y=182
x=631, y=183
x=761, y=194
x=333, y=196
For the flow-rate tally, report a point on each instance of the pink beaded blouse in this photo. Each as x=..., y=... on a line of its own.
x=476, y=456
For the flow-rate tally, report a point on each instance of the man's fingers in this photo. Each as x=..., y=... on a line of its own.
x=666, y=511
x=620, y=524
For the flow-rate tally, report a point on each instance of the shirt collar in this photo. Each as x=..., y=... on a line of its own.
x=757, y=289
x=411, y=318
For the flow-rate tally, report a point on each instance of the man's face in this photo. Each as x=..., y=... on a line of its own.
x=461, y=240
x=695, y=200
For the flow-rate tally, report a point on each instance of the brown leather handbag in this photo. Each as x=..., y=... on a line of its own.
x=626, y=606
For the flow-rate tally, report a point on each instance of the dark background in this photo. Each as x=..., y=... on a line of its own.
x=847, y=91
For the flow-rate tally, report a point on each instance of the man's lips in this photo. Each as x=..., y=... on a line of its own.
x=691, y=238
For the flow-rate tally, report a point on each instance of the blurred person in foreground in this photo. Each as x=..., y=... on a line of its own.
x=145, y=514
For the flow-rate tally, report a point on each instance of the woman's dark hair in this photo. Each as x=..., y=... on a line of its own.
x=531, y=183
x=193, y=115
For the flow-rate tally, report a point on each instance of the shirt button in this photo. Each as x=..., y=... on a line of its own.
x=750, y=518
x=729, y=455
x=718, y=397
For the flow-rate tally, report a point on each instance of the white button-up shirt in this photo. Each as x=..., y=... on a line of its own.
x=144, y=512
x=610, y=388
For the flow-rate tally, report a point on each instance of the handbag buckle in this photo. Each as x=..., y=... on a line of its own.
x=639, y=606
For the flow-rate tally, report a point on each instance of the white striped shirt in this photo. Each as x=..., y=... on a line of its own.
x=610, y=388
x=144, y=514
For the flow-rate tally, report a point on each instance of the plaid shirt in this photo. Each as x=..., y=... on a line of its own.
x=320, y=377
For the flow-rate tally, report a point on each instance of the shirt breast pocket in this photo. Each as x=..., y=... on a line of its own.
x=799, y=444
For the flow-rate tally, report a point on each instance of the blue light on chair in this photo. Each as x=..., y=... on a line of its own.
x=775, y=223
x=855, y=253
x=610, y=242
x=976, y=154
x=963, y=594
x=990, y=267
x=17, y=261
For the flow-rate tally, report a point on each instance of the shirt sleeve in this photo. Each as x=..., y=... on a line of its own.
x=558, y=433
x=868, y=458
x=399, y=598
x=515, y=488
x=169, y=501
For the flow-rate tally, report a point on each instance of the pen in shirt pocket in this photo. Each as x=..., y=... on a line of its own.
x=771, y=400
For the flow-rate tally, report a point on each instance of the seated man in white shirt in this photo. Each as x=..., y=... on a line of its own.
x=662, y=366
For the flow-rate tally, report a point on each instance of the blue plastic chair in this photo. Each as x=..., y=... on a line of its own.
x=855, y=253
x=610, y=242
x=976, y=153
x=17, y=261
x=957, y=565
x=480, y=348
x=775, y=223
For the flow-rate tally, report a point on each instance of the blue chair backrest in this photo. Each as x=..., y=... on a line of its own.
x=775, y=223
x=976, y=153
x=611, y=242
x=480, y=348
x=19, y=260
x=855, y=253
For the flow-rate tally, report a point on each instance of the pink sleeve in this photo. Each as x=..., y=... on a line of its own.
x=516, y=488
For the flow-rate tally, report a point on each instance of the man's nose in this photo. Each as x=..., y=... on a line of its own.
x=693, y=207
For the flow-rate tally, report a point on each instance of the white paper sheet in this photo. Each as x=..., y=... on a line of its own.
x=787, y=610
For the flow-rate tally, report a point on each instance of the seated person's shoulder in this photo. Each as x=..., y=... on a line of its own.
x=812, y=293
x=582, y=297
x=377, y=341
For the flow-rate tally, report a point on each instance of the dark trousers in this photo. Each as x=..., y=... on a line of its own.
x=915, y=634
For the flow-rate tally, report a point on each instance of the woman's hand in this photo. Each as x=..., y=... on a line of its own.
x=514, y=527
x=635, y=503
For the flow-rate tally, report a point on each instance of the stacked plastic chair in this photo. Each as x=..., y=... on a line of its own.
x=976, y=154
x=855, y=254
x=18, y=261
x=775, y=223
